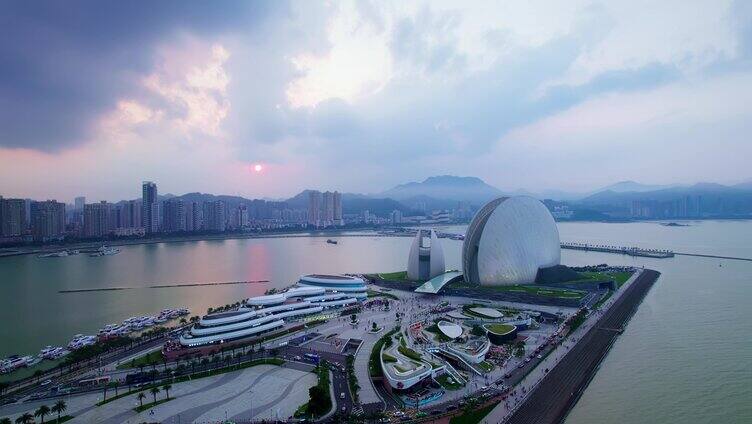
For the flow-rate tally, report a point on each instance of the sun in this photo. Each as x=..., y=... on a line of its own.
x=258, y=168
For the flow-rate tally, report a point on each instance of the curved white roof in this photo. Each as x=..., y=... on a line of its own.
x=330, y=280
x=304, y=291
x=269, y=299
x=450, y=329
x=341, y=289
x=190, y=341
x=488, y=312
x=508, y=240
x=241, y=315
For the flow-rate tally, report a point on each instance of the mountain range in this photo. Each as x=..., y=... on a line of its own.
x=447, y=192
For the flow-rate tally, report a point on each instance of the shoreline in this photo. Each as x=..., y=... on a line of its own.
x=560, y=390
x=361, y=232
x=31, y=250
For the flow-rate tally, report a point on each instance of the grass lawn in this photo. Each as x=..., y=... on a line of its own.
x=144, y=360
x=444, y=381
x=486, y=366
x=619, y=277
x=473, y=417
x=409, y=353
x=500, y=328
x=301, y=411
x=152, y=404
x=388, y=358
x=374, y=293
x=532, y=289
x=374, y=365
x=63, y=419
x=394, y=276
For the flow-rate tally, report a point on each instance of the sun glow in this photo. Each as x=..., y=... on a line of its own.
x=258, y=168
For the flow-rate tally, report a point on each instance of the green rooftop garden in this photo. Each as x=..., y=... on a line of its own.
x=500, y=328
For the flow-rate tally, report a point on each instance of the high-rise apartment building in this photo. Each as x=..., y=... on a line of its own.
x=328, y=212
x=314, y=208
x=149, y=220
x=79, y=203
x=97, y=219
x=192, y=216
x=338, y=209
x=173, y=215
x=214, y=216
x=47, y=219
x=12, y=217
x=129, y=215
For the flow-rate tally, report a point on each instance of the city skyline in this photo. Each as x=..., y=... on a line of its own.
x=246, y=99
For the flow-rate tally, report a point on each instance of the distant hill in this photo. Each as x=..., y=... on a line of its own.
x=715, y=198
x=445, y=187
x=353, y=203
x=631, y=186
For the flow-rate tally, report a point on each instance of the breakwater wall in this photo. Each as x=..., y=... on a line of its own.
x=562, y=387
x=162, y=286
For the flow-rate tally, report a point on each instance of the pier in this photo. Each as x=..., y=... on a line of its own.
x=622, y=250
x=562, y=387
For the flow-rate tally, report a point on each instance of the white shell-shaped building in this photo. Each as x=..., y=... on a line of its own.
x=425, y=263
x=508, y=240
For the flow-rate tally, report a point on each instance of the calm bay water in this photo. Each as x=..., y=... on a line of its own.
x=685, y=357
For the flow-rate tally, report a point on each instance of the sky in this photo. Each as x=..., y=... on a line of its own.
x=265, y=99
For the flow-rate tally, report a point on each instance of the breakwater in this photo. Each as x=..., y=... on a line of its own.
x=622, y=250
x=161, y=286
x=560, y=389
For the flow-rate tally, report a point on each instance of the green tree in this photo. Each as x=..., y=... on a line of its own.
x=154, y=391
x=26, y=418
x=42, y=412
x=141, y=396
x=5, y=421
x=167, y=388
x=59, y=407
x=3, y=385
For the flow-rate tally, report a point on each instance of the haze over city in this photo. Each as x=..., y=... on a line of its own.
x=265, y=99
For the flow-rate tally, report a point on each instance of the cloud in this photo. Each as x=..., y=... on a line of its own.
x=361, y=95
x=65, y=64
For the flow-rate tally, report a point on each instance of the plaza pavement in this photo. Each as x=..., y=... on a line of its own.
x=262, y=391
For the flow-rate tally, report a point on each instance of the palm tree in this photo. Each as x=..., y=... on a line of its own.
x=26, y=418
x=59, y=407
x=167, y=388
x=5, y=421
x=141, y=396
x=42, y=411
x=154, y=391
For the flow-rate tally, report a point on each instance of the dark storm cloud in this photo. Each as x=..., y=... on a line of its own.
x=64, y=63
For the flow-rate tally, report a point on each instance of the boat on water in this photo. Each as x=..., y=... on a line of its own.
x=330, y=241
x=105, y=251
x=79, y=341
